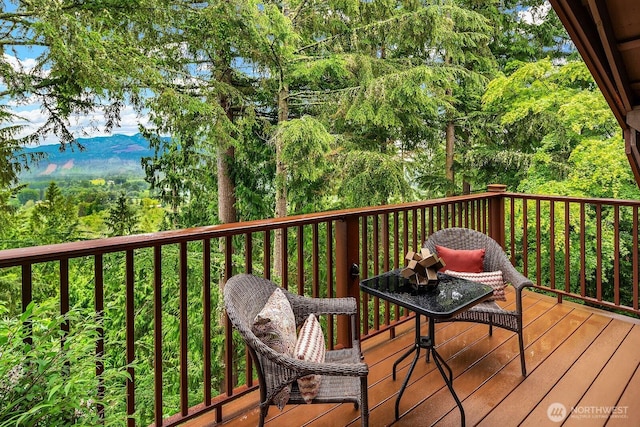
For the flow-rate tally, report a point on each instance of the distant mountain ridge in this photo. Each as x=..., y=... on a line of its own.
x=102, y=157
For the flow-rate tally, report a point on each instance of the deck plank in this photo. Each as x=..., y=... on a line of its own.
x=572, y=386
x=523, y=399
x=602, y=396
x=575, y=356
x=499, y=375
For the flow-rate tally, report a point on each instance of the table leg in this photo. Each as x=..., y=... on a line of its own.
x=441, y=364
x=428, y=343
x=411, y=350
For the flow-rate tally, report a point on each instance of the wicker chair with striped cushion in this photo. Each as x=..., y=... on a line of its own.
x=344, y=374
x=494, y=259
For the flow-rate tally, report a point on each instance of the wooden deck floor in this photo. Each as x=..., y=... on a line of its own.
x=578, y=357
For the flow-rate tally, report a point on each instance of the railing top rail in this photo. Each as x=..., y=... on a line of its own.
x=45, y=253
x=573, y=199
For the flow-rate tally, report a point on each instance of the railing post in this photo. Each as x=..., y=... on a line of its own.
x=347, y=284
x=496, y=213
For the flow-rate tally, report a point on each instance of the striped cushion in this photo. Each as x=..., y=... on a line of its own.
x=310, y=347
x=491, y=278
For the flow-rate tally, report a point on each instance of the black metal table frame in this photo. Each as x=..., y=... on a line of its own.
x=428, y=342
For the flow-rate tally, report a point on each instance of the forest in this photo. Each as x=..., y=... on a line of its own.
x=258, y=109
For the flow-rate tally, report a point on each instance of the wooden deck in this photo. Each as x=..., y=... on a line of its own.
x=576, y=356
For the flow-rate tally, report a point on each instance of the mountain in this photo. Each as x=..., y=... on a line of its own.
x=102, y=157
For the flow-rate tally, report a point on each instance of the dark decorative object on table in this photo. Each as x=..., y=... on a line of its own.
x=422, y=268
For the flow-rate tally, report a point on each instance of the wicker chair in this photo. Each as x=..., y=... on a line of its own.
x=344, y=374
x=495, y=259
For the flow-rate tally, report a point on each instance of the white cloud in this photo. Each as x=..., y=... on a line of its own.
x=26, y=64
x=535, y=15
x=85, y=126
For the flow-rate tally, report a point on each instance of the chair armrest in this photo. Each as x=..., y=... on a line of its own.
x=304, y=368
x=303, y=306
x=513, y=276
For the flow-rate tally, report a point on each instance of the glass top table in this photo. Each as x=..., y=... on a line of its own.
x=443, y=301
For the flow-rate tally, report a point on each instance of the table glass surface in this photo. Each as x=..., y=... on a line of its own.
x=449, y=297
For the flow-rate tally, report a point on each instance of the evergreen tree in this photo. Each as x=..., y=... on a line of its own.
x=122, y=219
x=54, y=219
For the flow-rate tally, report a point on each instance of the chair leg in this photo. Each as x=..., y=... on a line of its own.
x=522, y=362
x=263, y=414
x=490, y=325
x=364, y=404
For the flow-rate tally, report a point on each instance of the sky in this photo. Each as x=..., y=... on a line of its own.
x=82, y=126
x=92, y=125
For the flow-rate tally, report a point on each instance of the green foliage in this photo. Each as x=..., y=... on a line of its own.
x=122, y=219
x=47, y=377
x=54, y=219
x=306, y=145
x=544, y=112
x=371, y=179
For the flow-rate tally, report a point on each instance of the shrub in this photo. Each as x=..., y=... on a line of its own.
x=48, y=377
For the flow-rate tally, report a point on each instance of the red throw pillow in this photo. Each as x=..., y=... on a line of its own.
x=468, y=261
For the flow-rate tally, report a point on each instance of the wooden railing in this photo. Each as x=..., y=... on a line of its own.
x=172, y=280
x=585, y=249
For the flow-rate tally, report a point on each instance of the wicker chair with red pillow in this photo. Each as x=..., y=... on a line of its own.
x=494, y=260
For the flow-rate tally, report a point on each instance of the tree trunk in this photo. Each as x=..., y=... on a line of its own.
x=281, y=180
x=225, y=157
x=450, y=150
x=226, y=186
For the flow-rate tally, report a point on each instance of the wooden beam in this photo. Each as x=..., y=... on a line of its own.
x=580, y=27
x=603, y=24
x=631, y=150
x=629, y=45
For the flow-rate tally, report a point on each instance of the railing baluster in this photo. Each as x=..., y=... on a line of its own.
x=206, y=321
x=315, y=264
x=130, y=337
x=525, y=237
x=248, y=253
x=634, y=257
x=583, y=252
x=284, y=248
x=300, y=260
x=599, y=252
x=414, y=229
x=512, y=228
x=552, y=245
x=538, y=244
x=230, y=369
x=64, y=295
x=386, y=250
x=157, y=331
x=267, y=254
x=364, y=270
x=567, y=248
x=616, y=258
x=98, y=274
x=330, y=293
x=184, y=327
x=376, y=270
